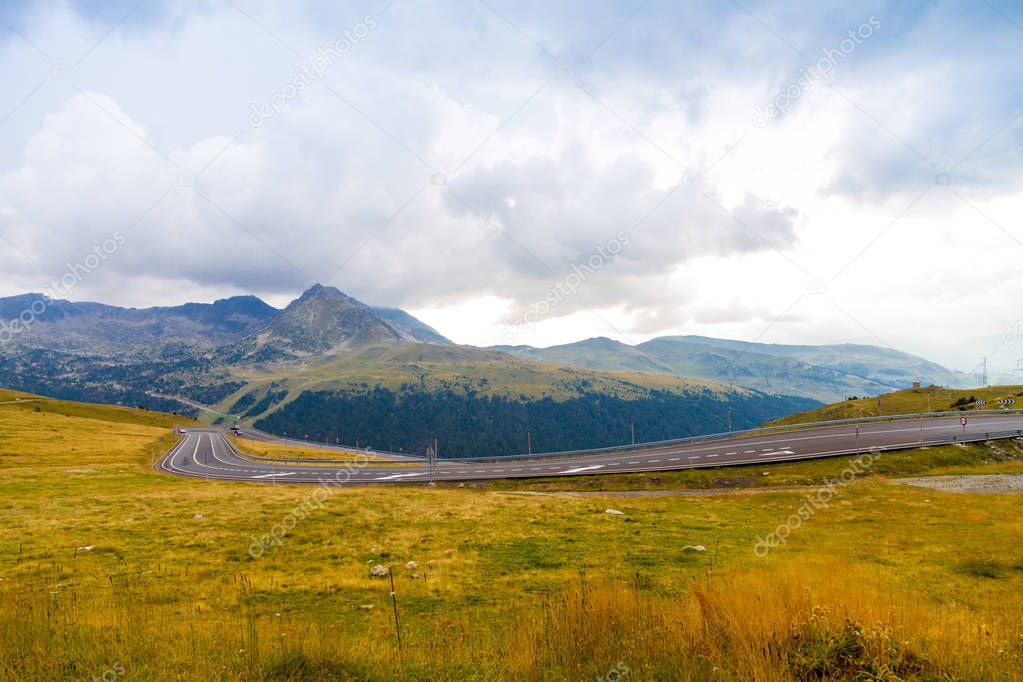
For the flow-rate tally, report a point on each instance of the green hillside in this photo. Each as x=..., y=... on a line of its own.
x=913, y=401
x=825, y=373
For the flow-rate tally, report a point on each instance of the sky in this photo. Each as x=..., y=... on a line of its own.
x=531, y=172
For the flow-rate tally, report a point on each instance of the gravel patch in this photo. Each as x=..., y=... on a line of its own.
x=987, y=483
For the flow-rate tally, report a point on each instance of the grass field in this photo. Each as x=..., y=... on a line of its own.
x=110, y=569
x=290, y=451
x=912, y=401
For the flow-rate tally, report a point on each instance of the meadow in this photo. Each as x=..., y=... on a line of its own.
x=110, y=570
x=914, y=401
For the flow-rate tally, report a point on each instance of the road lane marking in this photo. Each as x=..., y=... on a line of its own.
x=397, y=476
x=782, y=452
x=579, y=469
x=287, y=473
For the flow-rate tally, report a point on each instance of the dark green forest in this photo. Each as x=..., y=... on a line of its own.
x=476, y=426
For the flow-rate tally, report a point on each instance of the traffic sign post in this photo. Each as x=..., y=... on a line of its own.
x=964, y=421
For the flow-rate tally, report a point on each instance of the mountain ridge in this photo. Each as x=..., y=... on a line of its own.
x=828, y=373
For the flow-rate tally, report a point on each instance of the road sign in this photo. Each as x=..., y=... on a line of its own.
x=964, y=421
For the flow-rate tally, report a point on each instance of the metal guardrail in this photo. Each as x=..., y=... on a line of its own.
x=747, y=433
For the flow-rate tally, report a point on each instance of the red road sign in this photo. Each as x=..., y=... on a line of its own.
x=964, y=421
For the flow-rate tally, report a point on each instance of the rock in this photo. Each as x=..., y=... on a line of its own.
x=418, y=576
x=86, y=548
x=379, y=571
x=198, y=516
x=411, y=566
x=614, y=512
x=694, y=548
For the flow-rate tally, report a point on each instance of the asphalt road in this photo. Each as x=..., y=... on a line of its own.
x=206, y=453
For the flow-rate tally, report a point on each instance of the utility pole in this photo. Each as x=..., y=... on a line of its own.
x=983, y=371
x=729, y=420
x=431, y=455
x=879, y=407
x=632, y=427
x=529, y=441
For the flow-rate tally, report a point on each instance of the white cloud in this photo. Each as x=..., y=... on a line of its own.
x=540, y=169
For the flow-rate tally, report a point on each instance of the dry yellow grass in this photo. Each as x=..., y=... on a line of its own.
x=287, y=451
x=885, y=583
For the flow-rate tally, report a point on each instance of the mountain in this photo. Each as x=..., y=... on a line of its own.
x=598, y=353
x=410, y=328
x=322, y=321
x=330, y=366
x=99, y=328
x=825, y=373
x=886, y=365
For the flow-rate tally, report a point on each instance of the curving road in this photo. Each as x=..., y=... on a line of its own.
x=206, y=453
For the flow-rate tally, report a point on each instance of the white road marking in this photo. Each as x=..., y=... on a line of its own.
x=287, y=473
x=782, y=452
x=396, y=476
x=579, y=469
x=712, y=455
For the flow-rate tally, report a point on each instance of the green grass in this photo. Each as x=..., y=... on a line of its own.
x=885, y=581
x=910, y=401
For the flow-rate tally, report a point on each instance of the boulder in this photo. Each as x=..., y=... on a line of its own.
x=379, y=571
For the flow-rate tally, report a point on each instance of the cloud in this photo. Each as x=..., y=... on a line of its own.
x=445, y=159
